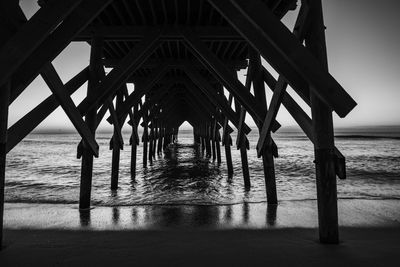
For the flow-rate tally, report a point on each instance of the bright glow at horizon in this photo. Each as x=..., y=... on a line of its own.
x=362, y=43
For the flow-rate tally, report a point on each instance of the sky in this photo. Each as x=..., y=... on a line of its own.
x=362, y=41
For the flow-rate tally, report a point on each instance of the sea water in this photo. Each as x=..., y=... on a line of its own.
x=43, y=168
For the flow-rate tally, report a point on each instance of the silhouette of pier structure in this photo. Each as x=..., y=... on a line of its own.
x=181, y=56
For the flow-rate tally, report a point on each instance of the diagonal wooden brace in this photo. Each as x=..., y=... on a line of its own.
x=56, y=86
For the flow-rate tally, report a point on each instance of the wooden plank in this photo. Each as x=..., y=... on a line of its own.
x=18, y=48
x=117, y=76
x=264, y=28
x=56, y=86
x=32, y=119
x=56, y=42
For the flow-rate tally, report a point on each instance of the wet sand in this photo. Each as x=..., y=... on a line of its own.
x=280, y=247
x=226, y=235
x=288, y=214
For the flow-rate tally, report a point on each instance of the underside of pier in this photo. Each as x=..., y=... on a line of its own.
x=182, y=58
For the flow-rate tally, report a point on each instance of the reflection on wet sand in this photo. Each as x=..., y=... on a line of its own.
x=366, y=213
x=84, y=217
x=182, y=216
x=271, y=214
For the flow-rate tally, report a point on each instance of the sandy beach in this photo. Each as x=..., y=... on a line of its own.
x=233, y=235
x=281, y=247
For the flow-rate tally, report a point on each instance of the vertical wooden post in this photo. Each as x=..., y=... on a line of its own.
x=133, y=154
x=323, y=136
x=213, y=131
x=4, y=101
x=228, y=155
x=95, y=73
x=134, y=142
x=245, y=165
x=214, y=152
x=116, y=148
x=203, y=140
x=8, y=10
x=156, y=138
x=243, y=145
x=166, y=139
x=208, y=145
x=217, y=138
x=160, y=140
x=151, y=144
x=145, y=139
x=267, y=155
x=218, y=146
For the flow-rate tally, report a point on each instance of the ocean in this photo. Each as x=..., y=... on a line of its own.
x=43, y=168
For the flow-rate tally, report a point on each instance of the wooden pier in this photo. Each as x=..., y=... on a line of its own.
x=182, y=58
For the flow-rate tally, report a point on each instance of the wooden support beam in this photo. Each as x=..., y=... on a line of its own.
x=55, y=43
x=32, y=119
x=96, y=72
x=206, y=105
x=245, y=164
x=255, y=22
x=117, y=142
x=217, y=139
x=268, y=150
x=208, y=140
x=271, y=115
x=117, y=76
x=4, y=103
x=176, y=63
x=133, y=141
x=160, y=140
x=228, y=155
x=151, y=137
x=134, y=33
x=241, y=137
x=56, y=86
x=142, y=89
x=323, y=134
x=216, y=99
x=305, y=123
x=227, y=142
x=22, y=44
x=7, y=9
x=117, y=127
x=145, y=139
x=216, y=66
x=299, y=31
